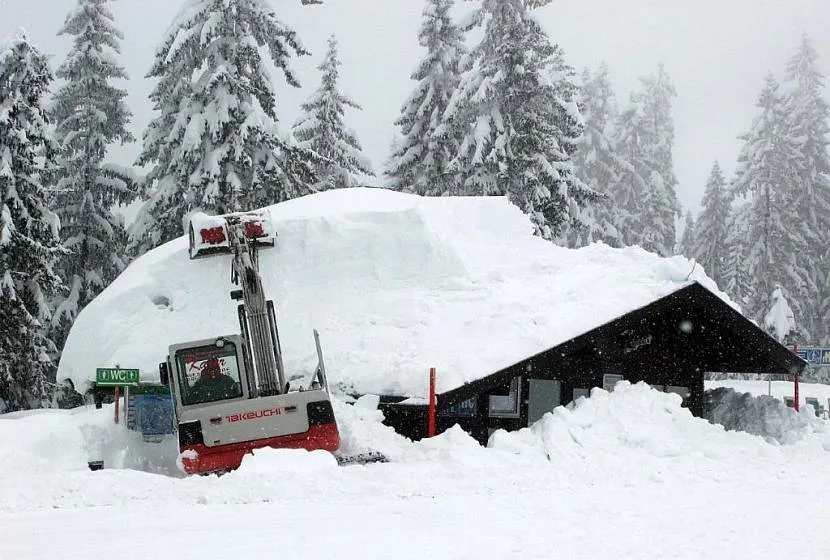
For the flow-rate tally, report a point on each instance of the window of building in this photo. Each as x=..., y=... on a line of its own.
x=682, y=391
x=609, y=380
x=581, y=392
x=507, y=406
x=813, y=401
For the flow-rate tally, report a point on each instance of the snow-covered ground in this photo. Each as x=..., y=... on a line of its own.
x=628, y=474
x=395, y=284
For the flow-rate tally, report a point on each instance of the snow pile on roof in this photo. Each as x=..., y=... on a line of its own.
x=395, y=284
x=763, y=415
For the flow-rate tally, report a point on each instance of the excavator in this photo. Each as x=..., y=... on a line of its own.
x=229, y=392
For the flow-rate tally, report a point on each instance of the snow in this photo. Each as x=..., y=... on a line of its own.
x=780, y=318
x=764, y=416
x=395, y=283
x=626, y=474
x=776, y=389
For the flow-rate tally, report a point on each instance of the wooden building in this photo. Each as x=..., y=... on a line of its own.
x=669, y=344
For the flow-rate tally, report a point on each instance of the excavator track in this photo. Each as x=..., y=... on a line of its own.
x=360, y=458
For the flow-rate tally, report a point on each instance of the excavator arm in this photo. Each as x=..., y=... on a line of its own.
x=260, y=327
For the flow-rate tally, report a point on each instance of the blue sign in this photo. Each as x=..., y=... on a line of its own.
x=815, y=355
x=466, y=408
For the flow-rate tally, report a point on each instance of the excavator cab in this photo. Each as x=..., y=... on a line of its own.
x=229, y=392
x=220, y=416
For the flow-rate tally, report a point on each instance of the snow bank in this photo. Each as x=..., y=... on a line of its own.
x=763, y=415
x=635, y=428
x=362, y=430
x=59, y=441
x=777, y=389
x=272, y=462
x=395, y=283
x=630, y=437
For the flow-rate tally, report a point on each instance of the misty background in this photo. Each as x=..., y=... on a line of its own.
x=717, y=53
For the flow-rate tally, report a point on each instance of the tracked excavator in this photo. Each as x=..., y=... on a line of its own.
x=230, y=392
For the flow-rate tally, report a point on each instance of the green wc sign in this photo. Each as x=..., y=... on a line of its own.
x=116, y=377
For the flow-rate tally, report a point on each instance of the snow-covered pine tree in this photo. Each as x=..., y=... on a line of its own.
x=515, y=111
x=321, y=130
x=736, y=278
x=595, y=161
x=807, y=113
x=780, y=320
x=689, y=237
x=214, y=145
x=420, y=160
x=647, y=184
x=89, y=113
x=767, y=173
x=709, y=246
x=29, y=242
x=627, y=184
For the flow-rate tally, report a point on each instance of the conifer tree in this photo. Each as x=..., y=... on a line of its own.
x=321, y=130
x=647, y=184
x=627, y=186
x=595, y=161
x=420, y=161
x=89, y=113
x=709, y=246
x=767, y=174
x=29, y=243
x=689, y=237
x=807, y=113
x=736, y=278
x=214, y=144
x=515, y=111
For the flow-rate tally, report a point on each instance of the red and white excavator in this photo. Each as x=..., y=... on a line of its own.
x=230, y=392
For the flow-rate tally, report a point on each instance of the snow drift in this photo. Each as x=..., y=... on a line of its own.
x=637, y=429
x=395, y=284
x=634, y=434
x=762, y=415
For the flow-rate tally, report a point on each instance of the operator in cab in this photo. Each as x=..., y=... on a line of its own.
x=213, y=385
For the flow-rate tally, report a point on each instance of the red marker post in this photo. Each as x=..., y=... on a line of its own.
x=795, y=382
x=431, y=410
x=117, y=398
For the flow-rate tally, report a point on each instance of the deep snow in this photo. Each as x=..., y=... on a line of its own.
x=395, y=283
x=627, y=474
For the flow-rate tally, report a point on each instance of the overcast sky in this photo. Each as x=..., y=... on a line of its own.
x=717, y=52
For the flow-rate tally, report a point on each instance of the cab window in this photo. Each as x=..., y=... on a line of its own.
x=209, y=374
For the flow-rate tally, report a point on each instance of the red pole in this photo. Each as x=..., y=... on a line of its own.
x=795, y=382
x=431, y=411
x=117, y=398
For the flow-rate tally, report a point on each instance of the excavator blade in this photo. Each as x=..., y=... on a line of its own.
x=208, y=235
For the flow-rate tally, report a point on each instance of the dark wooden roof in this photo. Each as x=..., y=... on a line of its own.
x=692, y=321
